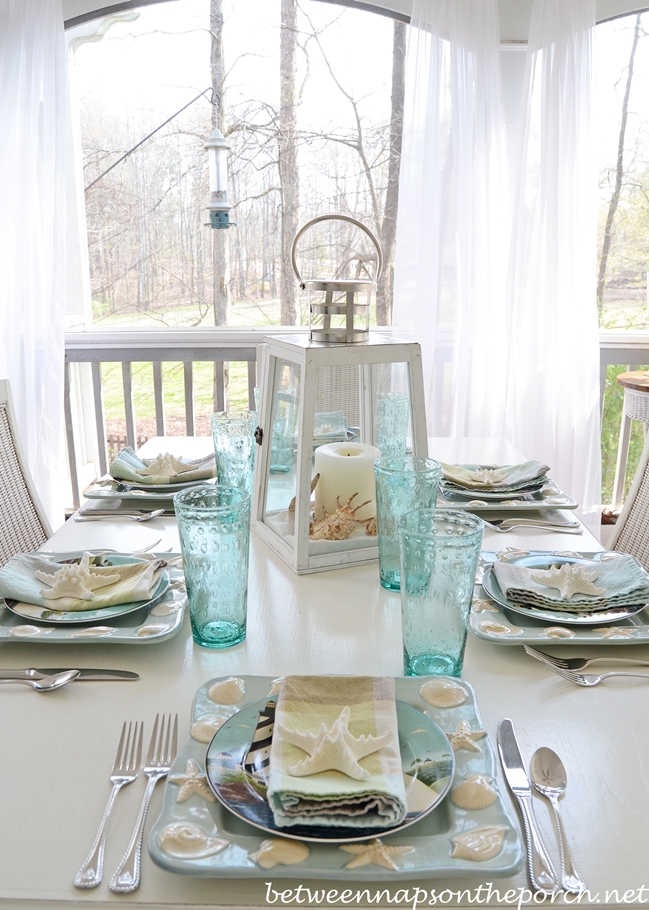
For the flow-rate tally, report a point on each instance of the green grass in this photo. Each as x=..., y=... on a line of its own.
x=611, y=420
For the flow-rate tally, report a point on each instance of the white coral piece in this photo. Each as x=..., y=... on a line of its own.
x=568, y=579
x=335, y=749
x=166, y=465
x=78, y=581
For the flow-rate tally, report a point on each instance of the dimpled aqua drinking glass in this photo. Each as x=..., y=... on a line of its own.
x=233, y=433
x=214, y=528
x=402, y=484
x=439, y=555
x=392, y=416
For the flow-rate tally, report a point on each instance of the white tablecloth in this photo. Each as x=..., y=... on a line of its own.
x=57, y=748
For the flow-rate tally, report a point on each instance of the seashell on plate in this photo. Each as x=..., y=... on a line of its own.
x=617, y=632
x=511, y=553
x=188, y=841
x=558, y=632
x=166, y=608
x=278, y=851
x=227, y=691
x=153, y=629
x=29, y=631
x=475, y=792
x=443, y=693
x=276, y=686
x=93, y=632
x=491, y=627
x=479, y=844
x=206, y=726
x=481, y=605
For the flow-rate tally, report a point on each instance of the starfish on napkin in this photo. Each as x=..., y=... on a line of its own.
x=568, y=579
x=166, y=465
x=74, y=581
x=335, y=749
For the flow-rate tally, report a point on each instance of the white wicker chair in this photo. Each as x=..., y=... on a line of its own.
x=631, y=534
x=23, y=524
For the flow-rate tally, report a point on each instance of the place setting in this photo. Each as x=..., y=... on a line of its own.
x=499, y=488
x=90, y=596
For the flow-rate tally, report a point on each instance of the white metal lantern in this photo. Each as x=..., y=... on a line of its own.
x=322, y=412
x=217, y=154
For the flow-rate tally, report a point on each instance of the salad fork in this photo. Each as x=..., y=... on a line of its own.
x=593, y=679
x=162, y=752
x=125, y=770
x=579, y=663
x=561, y=529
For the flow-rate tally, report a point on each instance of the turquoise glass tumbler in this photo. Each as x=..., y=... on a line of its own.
x=233, y=433
x=439, y=556
x=392, y=418
x=402, y=484
x=214, y=527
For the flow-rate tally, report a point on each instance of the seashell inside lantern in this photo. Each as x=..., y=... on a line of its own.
x=475, y=792
x=340, y=524
x=187, y=841
x=443, y=693
x=227, y=691
x=479, y=844
x=277, y=851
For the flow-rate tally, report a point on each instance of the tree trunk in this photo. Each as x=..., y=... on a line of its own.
x=220, y=249
x=619, y=173
x=288, y=172
x=389, y=222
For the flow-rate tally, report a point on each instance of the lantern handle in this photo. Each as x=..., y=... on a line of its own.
x=348, y=218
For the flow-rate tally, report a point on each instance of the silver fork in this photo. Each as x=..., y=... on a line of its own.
x=560, y=529
x=147, y=516
x=593, y=679
x=579, y=663
x=125, y=770
x=162, y=751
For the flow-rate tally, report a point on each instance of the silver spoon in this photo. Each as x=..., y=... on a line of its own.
x=47, y=683
x=549, y=778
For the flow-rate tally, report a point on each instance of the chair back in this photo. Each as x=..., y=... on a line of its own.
x=23, y=524
x=631, y=534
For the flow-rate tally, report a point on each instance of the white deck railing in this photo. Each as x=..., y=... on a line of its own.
x=216, y=345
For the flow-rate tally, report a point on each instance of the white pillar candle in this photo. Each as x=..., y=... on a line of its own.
x=345, y=468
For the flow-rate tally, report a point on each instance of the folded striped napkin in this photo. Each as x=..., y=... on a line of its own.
x=619, y=582
x=327, y=723
x=161, y=470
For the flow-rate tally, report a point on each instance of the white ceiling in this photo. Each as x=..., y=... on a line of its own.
x=514, y=14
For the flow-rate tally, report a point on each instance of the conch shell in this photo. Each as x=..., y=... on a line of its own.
x=340, y=524
x=475, y=792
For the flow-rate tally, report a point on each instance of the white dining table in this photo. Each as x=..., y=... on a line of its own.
x=57, y=748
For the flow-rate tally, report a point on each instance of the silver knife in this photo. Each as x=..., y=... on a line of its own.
x=86, y=674
x=543, y=875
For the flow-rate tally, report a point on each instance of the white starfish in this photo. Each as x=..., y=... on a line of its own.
x=74, y=581
x=335, y=749
x=166, y=465
x=192, y=781
x=374, y=852
x=464, y=738
x=489, y=475
x=568, y=579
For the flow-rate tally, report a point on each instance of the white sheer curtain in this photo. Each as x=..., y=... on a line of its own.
x=452, y=230
x=508, y=328
x=552, y=408
x=33, y=121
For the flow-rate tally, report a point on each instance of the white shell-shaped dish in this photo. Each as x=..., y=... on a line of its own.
x=227, y=692
x=475, y=792
x=277, y=851
x=443, y=693
x=207, y=725
x=187, y=841
x=480, y=844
